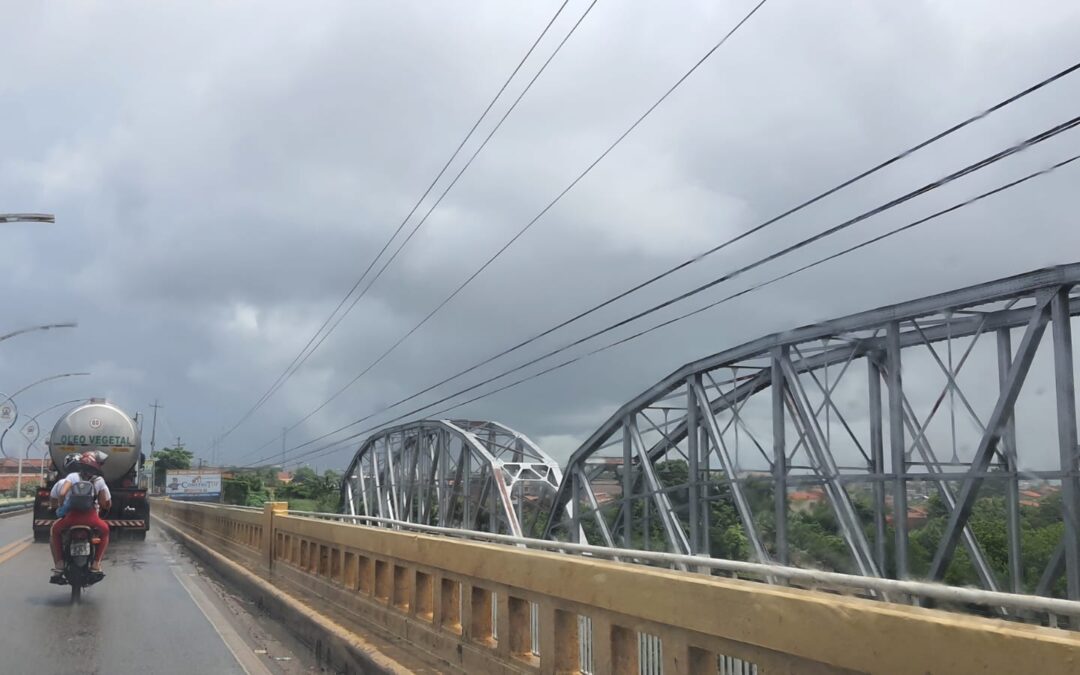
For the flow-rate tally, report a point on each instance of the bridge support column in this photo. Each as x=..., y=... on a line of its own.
x=504, y=623
x=682, y=659
x=514, y=626
x=448, y=605
x=476, y=614
x=270, y=509
x=897, y=450
x=1067, y=437
x=558, y=641
x=614, y=645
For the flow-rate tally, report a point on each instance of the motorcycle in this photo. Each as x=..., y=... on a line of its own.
x=79, y=545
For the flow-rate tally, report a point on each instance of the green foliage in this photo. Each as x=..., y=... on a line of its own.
x=302, y=504
x=309, y=491
x=245, y=489
x=815, y=539
x=170, y=458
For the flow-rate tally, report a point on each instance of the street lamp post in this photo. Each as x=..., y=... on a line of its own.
x=15, y=417
x=30, y=431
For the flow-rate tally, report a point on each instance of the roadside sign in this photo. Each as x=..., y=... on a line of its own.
x=192, y=484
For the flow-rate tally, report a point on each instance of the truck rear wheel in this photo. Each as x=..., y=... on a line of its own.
x=139, y=535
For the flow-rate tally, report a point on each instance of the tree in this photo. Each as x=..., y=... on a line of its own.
x=815, y=537
x=170, y=458
x=312, y=491
x=245, y=488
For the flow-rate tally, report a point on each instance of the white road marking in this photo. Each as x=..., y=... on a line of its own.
x=250, y=662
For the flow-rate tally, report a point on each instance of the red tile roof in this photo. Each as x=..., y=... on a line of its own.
x=12, y=464
x=9, y=481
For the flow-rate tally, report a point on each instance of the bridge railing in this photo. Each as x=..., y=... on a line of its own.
x=479, y=604
x=1054, y=612
x=226, y=525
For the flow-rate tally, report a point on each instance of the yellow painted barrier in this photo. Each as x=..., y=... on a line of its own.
x=493, y=608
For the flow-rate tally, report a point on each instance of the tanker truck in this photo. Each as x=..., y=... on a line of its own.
x=98, y=425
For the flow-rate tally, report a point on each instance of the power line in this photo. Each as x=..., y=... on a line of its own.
x=1005, y=153
x=998, y=156
x=424, y=219
x=701, y=256
x=418, y=225
x=955, y=207
x=543, y=211
x=297, y=361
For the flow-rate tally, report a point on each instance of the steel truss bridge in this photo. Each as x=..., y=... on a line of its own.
x=463, y=474
x=960, y=395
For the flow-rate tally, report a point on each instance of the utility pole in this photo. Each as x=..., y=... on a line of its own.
x=284, y=430
x=153, y=426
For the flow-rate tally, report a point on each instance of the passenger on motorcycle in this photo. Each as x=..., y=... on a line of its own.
x=82, y=511
x=69, y=474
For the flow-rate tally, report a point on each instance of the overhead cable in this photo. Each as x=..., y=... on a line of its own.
x=304, y=353
x=542, y=212
x=890, y=233
x=955, y=207
x=700, y=256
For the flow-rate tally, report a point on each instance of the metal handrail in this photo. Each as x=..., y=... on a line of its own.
x=15, y=507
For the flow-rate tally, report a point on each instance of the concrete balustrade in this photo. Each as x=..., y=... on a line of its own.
x=471, y=605
x=232, y=527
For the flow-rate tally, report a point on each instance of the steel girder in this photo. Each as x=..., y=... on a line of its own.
x=454, y=473
x=865, y=416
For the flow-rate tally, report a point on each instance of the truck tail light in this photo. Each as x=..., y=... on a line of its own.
x=138, y=495
x=43, y=492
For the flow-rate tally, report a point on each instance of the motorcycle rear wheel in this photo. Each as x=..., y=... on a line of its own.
x=76, y=593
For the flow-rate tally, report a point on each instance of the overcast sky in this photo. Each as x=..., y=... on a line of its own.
x=221, y=174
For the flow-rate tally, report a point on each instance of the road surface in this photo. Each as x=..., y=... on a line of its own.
x=154, y=613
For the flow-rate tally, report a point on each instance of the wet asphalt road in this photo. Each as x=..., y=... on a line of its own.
x=139, y=619
x=13, y=528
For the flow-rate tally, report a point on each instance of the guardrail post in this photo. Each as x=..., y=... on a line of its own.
x=270, y=509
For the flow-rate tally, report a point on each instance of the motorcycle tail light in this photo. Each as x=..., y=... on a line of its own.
x=95, y=541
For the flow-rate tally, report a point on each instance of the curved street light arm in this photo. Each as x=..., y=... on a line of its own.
x=48, y=326
x=27, y=218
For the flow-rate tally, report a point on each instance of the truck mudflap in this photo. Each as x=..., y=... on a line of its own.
x=119, y=523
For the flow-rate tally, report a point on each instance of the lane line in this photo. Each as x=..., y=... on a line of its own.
x=15, y=548
x=10, y=545
x=245, y=657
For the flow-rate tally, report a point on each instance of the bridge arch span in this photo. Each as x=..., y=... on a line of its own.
x=911, y=406
x=466, y=474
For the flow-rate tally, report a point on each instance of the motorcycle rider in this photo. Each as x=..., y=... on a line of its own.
x=70, y=473
x=89, y=470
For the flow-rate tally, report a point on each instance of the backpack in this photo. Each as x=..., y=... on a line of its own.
x=82, y=495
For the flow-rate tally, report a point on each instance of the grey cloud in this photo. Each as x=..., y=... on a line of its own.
x=223, y=174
